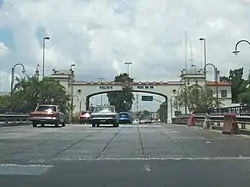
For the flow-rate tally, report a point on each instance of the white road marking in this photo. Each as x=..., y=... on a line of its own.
x=148, y=159
x=28, y=165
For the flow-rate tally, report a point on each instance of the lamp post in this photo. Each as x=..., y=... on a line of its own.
x=183, y=72
x=12, y=79
x=236, y=51
x=216, y=82
x=44, y=42
x=204, y=53
x=128, y=64
x=72, y=91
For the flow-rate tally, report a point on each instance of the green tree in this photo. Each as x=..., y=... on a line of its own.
x=197, y=98
x=5, y=100
x=29, y=92
x=122, y=100
x=238, y=83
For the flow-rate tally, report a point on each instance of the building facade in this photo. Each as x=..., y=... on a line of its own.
x=82, y=91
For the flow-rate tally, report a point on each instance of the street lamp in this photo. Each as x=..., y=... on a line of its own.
x=216, y=81
x=205, y=52
x=236, y=51
x=44, y=41
x=12, y=78
x=183, y=72
x=72, y=90
x=128, y=63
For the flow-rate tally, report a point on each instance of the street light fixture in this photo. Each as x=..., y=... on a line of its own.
x=72, y=90
x=44, y=42
x=216, y=81
x=205, y=52
x=236, y=51
x=128, y=63
x=12, y=78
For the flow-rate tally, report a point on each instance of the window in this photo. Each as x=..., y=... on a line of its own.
x=151, y=87
x=146, y=87
x=223, y=93
x=45, y=108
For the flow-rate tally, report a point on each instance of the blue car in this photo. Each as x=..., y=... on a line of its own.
x=125, y=118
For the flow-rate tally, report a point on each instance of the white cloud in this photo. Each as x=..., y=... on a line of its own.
x=100, y=35
x=3, y=49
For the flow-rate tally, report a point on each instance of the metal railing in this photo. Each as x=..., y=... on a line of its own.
x=242, y=119
x=9, y=119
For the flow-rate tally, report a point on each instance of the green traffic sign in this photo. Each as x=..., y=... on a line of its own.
x=147, y=98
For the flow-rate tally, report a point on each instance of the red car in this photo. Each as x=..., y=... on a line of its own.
x=84, y=117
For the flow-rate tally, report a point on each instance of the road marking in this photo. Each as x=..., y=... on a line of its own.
x=149, y=159
x=29, y=165
x=17, y=169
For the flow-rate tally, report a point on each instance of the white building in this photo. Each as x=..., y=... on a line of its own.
x=82, y=91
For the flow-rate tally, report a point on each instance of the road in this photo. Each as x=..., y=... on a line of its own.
x=129, y=156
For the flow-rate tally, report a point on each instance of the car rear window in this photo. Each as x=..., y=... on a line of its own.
x=45, y=108
x=123, y=114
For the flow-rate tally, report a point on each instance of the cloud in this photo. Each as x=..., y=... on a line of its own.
x=100, y=35
x=3, y=49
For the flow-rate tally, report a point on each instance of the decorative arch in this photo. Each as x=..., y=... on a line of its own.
x=108, y=91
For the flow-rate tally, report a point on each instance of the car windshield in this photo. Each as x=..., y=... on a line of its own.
x=45, y=108
x=104, y=109
x=123, y=114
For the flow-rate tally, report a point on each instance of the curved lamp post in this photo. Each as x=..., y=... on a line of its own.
x=236, y=51
x=216, y=81
x=12, y=79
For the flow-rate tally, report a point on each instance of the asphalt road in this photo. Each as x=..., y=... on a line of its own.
x=128, y=156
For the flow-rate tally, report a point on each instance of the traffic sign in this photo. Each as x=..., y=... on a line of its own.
x=147, y=98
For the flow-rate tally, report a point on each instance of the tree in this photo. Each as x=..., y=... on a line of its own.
x=5, y=100
x=122, y=100
x=29, y=92
x=238, y=83
x=196, y=97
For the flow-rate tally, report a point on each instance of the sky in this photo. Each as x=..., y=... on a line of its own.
x=99, y=36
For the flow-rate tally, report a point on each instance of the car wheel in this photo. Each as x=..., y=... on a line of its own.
x=56, y=124
x=34, y=124
x=93, y=125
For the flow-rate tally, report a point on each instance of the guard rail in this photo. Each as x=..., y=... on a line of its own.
x=8, y=119
x=242, y=119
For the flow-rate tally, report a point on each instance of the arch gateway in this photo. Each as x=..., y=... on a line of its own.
x=82, y=90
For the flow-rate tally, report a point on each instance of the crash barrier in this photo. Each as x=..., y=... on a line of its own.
x=11, y=119
x=216, y=122
x=230, y=125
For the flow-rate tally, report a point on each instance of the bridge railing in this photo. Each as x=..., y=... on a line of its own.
x=14, y=118
x=216, y=119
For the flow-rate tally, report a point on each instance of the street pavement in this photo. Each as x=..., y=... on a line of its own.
x=158, y=155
